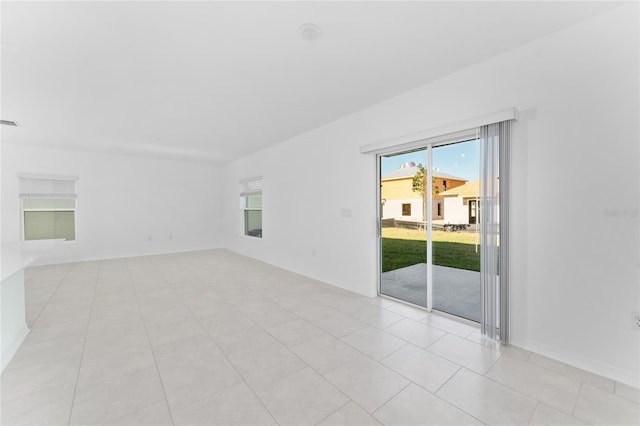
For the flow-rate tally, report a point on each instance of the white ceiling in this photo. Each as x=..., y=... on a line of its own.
x=212, y=81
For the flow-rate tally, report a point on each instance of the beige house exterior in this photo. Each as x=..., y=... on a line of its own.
x=401, y=202
x=461, y=204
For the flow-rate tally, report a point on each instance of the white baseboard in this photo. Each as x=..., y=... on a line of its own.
x=92, y=258
x=628, y=377
x=11, y=350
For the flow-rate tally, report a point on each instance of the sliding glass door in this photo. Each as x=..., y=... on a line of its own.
x=444, y=222
x=403, y=218
x=455, y=231
x=429, y=232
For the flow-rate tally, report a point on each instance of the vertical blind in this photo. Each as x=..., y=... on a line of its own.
x=494, y=229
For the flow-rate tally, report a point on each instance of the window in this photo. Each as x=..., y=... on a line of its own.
x=439, y=210
x=252, y=206
x=406, y=210
x=253, y=215
x=444, y=186
x=48, y=207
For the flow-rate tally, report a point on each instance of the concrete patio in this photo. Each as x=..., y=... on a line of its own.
x=455, y=291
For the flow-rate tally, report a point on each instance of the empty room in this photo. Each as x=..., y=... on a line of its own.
x=320, y=213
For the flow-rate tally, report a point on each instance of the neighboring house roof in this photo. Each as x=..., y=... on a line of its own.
x=405, y=172
x=468, y=190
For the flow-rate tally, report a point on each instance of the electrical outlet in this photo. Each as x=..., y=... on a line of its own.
x=345, y=213
x=635, y=320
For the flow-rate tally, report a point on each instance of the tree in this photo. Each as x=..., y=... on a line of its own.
x=420, y=185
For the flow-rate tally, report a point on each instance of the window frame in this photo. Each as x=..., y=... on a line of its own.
x=70, y=195
x=251, y=186
x=409, y=208
x=66, y=209
x=246, y=209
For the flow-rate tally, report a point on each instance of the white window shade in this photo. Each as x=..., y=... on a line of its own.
x=251, y=186
x=40, y=187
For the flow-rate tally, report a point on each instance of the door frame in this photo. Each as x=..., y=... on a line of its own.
x=473, y=202
x=427, y=148
x=418, y=145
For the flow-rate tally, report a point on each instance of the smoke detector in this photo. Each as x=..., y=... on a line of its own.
x=309, y=31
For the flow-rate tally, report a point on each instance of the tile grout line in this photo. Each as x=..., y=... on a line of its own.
x=298, y=357
x=223, y=354
x=390, y=398
x=533, y=413
x=295, y=355
x=493, y=364
x=580, y=385
x=449, y=402
x=313, y=369
x=30, y=328
x=447, y=381
x=335, y=411
x=449, y=332
x=459, y=367
x=51, y=296
x=570, y=377
x=394, y=351
x=575, y=402
x=626, y=398
x=155, y=360
x=457, y=363
x=372, y=359
x=356, y=349
x=84, y=344
x=521, y=393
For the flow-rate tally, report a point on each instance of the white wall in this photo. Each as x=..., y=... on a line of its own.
x=392, y=209
x=455, y=211
x=575, y=270
x=121, y=202
x=13, y=326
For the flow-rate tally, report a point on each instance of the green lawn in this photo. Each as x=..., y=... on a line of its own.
x=398, y=253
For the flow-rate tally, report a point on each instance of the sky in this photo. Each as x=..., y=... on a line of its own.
x=459, y=159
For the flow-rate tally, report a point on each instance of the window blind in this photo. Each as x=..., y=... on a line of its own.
x=495, y=140
x=39, y=187
x=251, y=186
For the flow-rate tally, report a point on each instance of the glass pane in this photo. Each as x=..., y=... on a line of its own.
x=31, y=203
x=47, y=225
x=455, y=236
x=404, y=239
x=253, y=223
x=254, y=201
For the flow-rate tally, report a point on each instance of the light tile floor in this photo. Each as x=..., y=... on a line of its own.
x=211, y=337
